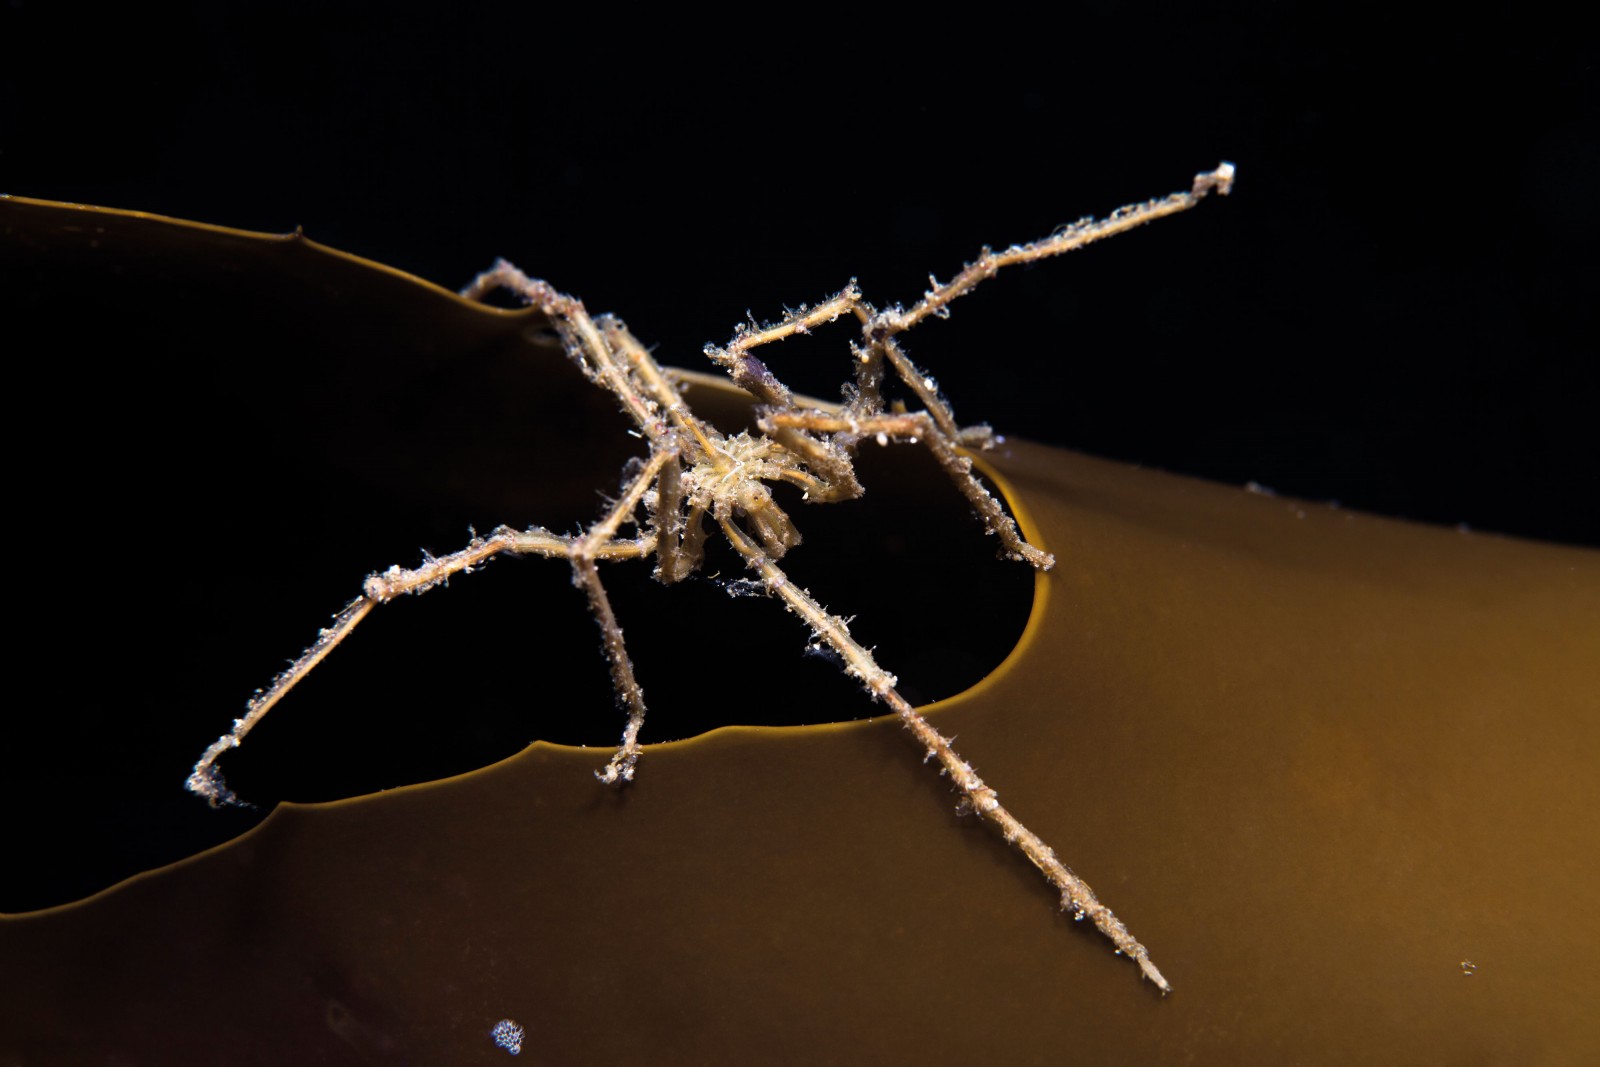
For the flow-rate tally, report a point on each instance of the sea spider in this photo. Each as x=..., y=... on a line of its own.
x=694, y=472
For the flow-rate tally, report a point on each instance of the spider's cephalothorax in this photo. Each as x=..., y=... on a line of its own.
x=696, y=478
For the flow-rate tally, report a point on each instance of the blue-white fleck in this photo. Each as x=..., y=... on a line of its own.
x=508, y=1035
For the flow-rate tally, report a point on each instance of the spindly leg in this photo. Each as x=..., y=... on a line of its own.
x=583, y=554
x=881, y=328
x=750, y=374
x=1076, y=895
x=936, y=301
x=921, y=428
x=206, y=780
x=585, y=345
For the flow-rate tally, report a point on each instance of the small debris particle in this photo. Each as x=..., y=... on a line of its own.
x=508, y=1035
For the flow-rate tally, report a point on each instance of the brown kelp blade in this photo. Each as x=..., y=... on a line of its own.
x=1336, y=770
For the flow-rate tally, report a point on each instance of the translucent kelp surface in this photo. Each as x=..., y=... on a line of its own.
x=1337, y=771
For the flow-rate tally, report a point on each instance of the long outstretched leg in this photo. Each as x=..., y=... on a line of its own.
x=1076, y=895
x=207, y=782
x=880, y=327
x=936, y=301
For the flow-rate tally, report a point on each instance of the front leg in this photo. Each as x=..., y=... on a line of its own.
x=1076, y=896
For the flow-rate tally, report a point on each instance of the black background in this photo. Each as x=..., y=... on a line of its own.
x=1394, y=310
